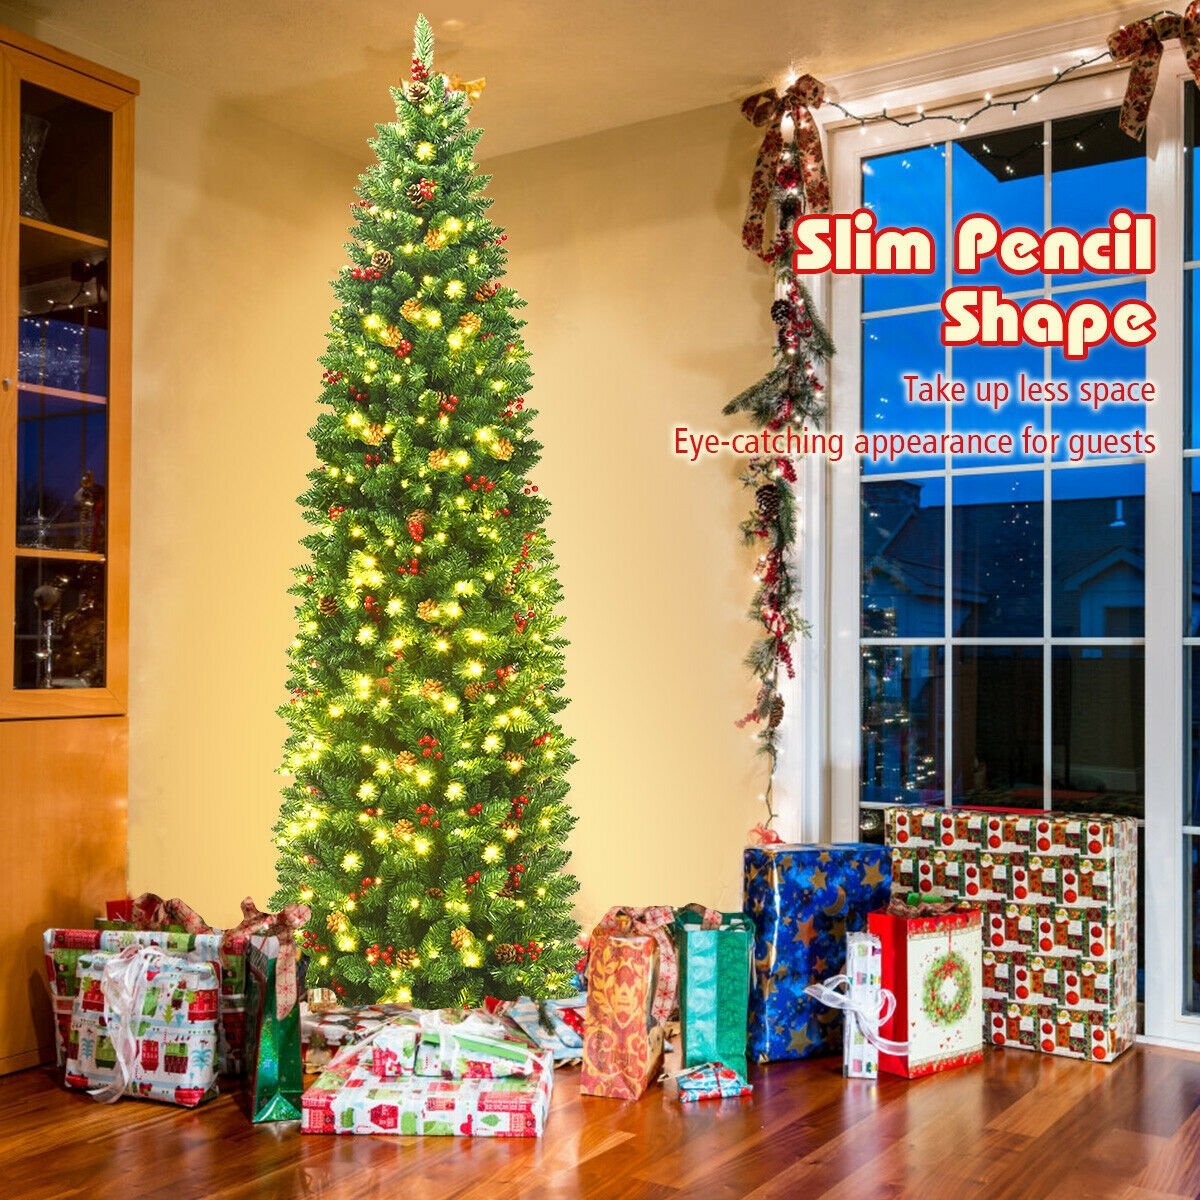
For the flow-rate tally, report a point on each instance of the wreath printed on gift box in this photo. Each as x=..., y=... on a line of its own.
x=946, y=991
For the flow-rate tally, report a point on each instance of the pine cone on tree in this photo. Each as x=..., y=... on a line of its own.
x=435, y=893
x=435, y=239
x=473, y=691
x=406, y=958
x=416, y=91
x=392, y=336
x=427, y=610
x=470, y=322
x=460, y=937
x=372, y=434
x=337, y=922
x=767, y=499
x=327, y=605
x=510, y=829
x=382, y=260
x=432, y=689
x=505, y=952
x=403, y=829
x=515, y=761
x=405, y=760
x=439, y=460
x=411, y=310
x=501, y=449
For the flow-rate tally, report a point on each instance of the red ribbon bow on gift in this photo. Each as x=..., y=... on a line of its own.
x=152, y=912
x=281, y=925
x=1140, y=46
x=769, y=108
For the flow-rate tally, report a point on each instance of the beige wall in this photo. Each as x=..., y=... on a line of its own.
x=644, y=312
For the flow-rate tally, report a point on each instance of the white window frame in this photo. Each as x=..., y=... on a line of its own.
x=824, y=802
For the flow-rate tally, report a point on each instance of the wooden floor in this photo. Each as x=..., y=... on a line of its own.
x=1018, y=1127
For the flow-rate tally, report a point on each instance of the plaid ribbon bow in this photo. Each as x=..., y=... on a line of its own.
x=1140, y=47
x=769, y=108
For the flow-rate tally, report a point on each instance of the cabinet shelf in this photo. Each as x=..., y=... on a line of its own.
x=71, y=555
x=43, y=389
x=45, y=245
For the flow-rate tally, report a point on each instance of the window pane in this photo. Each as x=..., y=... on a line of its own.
x=988, y=366
x=1097, y=729
x=1098, y=551
x=1097, y=168
x=1001, y=175
x=902, y=739
x=1192, y=112
x=1191, y=662
x=1191, y=985
x=904, y=558
x=998, y=725
x=892, y=346
x=907, y=190
x=1191, y=529
x=997, y=565
x=1108, y=363
x=1191, y=424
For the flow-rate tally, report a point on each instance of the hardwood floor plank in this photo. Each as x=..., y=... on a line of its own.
x=1017, y=1127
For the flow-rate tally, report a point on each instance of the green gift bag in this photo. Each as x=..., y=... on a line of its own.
x=274, y=1076
x=714, y=986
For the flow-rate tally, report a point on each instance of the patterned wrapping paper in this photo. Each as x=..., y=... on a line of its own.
x=325, y=1031
x=933, y=965
x=349, y=1098
x=176, y=1031
x=450, y=1044
x=864, y=969
x=63, y=949
x=1059, y=895
x=656, y=922
x=556, y=1025
x=710, y=1081
x=714, y=988
x=622, y=1042
x=803, y=900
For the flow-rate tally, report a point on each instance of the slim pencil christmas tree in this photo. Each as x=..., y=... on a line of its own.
x=425, y=813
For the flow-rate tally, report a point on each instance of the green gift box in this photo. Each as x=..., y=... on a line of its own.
x=714, y=986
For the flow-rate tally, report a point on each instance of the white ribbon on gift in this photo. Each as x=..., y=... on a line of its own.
x=479, y=1024
x=829, y=994
x=123, y=982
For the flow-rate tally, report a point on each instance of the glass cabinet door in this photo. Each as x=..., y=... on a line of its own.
x=66, y=203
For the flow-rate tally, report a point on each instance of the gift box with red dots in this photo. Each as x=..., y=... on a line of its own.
x=1059, y=897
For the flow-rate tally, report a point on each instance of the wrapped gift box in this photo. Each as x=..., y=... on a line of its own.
x=64, y=948
x=714, y=987
x=451, y=1044
x=555, y=1025
x=1059, y=896
x=622, y=1042
x=326, y=1031
x=933, y=965
x=864, y=974
x=349, y=1097
x=803, y=900
x=176, y=1030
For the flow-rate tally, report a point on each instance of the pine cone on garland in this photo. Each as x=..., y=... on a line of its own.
x=327, y=605
x=382, y=260
x=460, y=937
x=780, y=311
x=775, y=713
x=767, y=499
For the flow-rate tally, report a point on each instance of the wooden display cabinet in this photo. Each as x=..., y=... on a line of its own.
x=66, y=231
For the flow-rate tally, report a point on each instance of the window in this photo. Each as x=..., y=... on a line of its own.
x=992, y=627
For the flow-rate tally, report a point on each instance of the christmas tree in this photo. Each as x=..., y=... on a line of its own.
x=425, y=812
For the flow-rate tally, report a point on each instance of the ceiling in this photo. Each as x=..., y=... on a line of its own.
x=555, y=70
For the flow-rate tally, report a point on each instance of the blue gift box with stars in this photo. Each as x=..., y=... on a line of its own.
x=803, y=900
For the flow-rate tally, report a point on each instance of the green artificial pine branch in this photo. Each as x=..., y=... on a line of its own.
x=425, y=817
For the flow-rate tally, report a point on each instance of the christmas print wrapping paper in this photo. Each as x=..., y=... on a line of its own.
x=274, y=1073
x=803, y=899
x=175, y=1031
x=655, y=921
x=864, y=972
x=325, y=1031
x=1059, y=896
x=933, y=965
x=451, y=1044
x=349, y=1097
x=63, y=949
x=710, y=1081
x=714, y=987
x=622, y=1042
x=555, y=1025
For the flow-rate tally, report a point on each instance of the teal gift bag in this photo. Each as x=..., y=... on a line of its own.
x=714, y=986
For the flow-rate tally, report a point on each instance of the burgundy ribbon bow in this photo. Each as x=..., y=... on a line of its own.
x=152, y=912
x=281, y=925
x=1140, y=47
x=769, y=108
